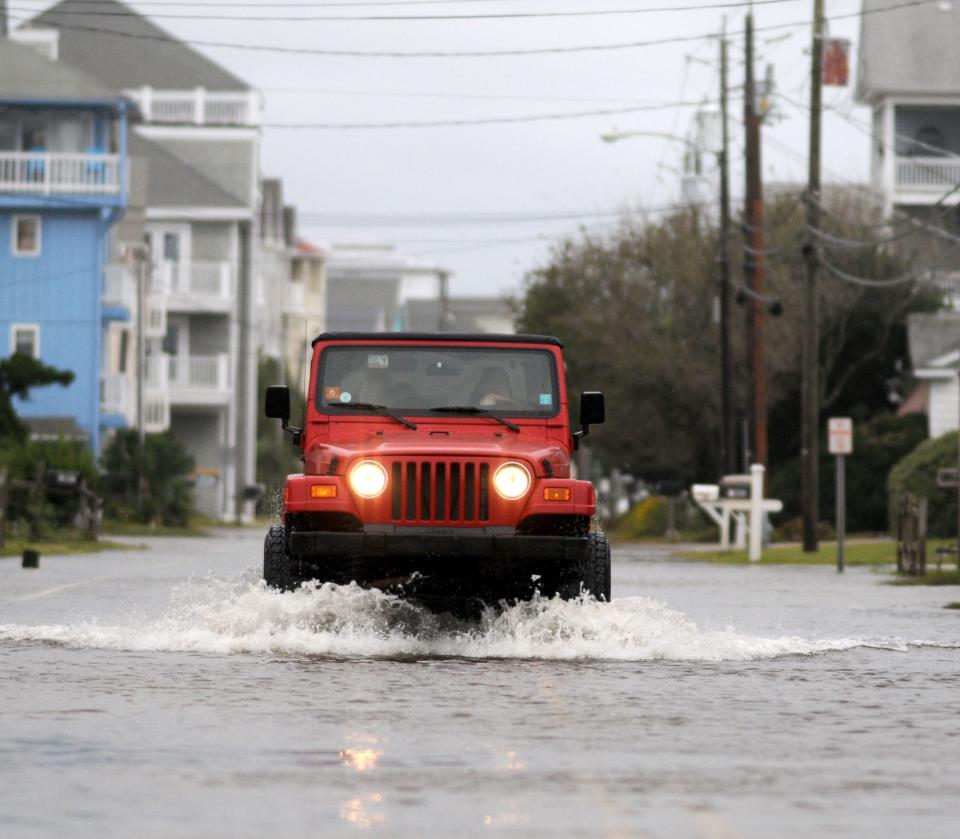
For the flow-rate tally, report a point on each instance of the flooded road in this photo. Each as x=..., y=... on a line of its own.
x=166, y=693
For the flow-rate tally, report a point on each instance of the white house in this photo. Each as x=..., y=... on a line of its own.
x=908, y=77
x=369, y=287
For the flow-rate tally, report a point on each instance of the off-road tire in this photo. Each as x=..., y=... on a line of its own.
x=595, y=570
x=276, y=561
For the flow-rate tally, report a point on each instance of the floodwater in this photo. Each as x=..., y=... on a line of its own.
x=165, y=693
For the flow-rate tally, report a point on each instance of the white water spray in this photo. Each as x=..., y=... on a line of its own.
x=214, y=616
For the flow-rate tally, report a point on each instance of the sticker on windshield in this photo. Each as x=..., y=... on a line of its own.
x=378, y=361
x=331, y=393
x=546, y=398
x=345, y=396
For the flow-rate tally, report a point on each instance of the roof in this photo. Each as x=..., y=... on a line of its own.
x=54, y=428
x=305, y=248
x=173, y=183
x=918, y=402
x=908, y=50
x=25, y=74
x=120, y=47
x=393, y=337
x=932, y=335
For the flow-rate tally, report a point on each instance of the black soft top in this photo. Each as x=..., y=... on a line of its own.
x=391, y=337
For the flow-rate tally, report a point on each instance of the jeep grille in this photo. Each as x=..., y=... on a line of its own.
x=440, y=491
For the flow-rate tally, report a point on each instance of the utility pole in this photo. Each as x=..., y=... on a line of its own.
x=141, y=344
x=753, y=257
x=810, y=400
x=443, y=321
x=727, y=432
x=3, y=19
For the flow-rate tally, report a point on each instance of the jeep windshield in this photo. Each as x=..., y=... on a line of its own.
x=438, y=381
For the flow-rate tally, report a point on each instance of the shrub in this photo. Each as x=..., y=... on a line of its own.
x=917, y=473
x=51, y=509
x=648, y=519
x=879, y=443
x=167, y=498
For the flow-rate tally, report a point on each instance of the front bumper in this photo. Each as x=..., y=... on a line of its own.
x=450, y=545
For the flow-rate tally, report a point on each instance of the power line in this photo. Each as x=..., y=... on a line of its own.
x=498, y=97
x=321, y=4
x=458, y=219
x=699, y=7
x=334, y=53
x=455, y=123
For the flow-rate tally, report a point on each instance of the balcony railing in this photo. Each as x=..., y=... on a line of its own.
x=117, y=395
x=156, y=393
x=199, y=372
x=155, y=316
x=927, y=174
x=156, y=413
x=210, y=282
x=119, y=287
x=46, y=173
x=198, y=106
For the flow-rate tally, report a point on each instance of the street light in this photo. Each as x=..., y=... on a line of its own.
x=615, y=135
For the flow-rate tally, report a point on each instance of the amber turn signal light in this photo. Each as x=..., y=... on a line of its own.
x=323, y=491
x=556, y=493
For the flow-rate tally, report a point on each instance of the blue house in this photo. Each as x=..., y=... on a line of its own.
x=63, y=187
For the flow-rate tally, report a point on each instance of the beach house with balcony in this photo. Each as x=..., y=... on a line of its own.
x=63, y=187
x=907, y=76
x=371, y=284
x=305, y=314
x=199, y=143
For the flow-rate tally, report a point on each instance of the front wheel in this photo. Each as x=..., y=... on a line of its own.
x=595, y=571
x=592, y=573
x=276, y=560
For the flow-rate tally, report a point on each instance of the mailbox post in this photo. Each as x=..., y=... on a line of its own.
x=840, y=444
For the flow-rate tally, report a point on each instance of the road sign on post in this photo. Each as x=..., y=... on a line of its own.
x=840, y=444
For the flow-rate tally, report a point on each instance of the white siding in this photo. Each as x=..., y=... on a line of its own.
x=944, y=406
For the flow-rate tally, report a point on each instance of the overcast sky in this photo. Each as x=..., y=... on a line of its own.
x=550, y=167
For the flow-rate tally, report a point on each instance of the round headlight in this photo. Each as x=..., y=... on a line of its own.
x=368, y=479
x=512, y=480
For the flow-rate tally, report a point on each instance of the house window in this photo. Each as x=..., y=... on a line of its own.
x=26, y=236
x=929, y=140
x=25, y=339
x=124, y=350
x=171, y=247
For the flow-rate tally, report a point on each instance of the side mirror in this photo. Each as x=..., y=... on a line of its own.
x=278, y=403
x=592, y=412
x=592, y=408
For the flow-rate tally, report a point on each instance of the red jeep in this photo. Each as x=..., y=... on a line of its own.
x=437, y=466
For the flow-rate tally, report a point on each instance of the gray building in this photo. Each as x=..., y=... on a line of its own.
x=908, y=76
x=199, y=146
x=370, y=287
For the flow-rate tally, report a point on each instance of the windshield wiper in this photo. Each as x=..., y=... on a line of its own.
x=483, y=412
x=383, y=410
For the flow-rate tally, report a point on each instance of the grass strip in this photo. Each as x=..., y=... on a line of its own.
x=867, y=552
x=855, y=553
x=62, y=546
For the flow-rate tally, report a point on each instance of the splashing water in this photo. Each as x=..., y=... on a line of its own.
x=244, y=616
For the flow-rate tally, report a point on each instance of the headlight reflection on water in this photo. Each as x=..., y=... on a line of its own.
x=357, y=811
x=360, y=759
